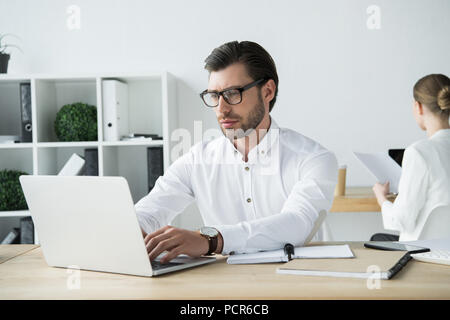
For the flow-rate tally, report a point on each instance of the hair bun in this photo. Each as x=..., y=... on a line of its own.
x=443, y=99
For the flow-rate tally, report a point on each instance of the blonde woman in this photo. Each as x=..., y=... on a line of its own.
x=425, y=181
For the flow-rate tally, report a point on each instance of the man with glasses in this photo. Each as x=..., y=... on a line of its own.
x=257, y=187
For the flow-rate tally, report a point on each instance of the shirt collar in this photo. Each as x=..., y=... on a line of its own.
x=269, y=139
x=442, y=132
x=264, y=146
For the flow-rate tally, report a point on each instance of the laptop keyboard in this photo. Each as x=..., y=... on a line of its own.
x=157, y=265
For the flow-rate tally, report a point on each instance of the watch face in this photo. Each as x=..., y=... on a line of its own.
x=208, y=231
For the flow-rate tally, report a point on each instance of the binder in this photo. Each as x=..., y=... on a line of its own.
x=115, y=109
x=155, y=165
x=91, y=162
x=25, y=108
x=26, y=231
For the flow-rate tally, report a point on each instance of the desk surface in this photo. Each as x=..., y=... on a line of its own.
x=9, y=251
x=357, y=199
x=28, y=277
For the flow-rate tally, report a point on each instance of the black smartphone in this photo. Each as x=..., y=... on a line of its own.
x=394, y=246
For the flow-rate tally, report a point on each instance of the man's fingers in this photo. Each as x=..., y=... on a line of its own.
x=171, y=255
x=153, y=242
x=162, y=246
x=156, y=233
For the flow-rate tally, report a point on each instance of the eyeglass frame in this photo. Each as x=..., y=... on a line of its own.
x=240, y=89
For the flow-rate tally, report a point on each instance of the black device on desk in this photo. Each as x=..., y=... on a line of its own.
x=394, y=246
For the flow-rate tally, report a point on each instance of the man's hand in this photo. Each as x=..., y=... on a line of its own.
x=381, y=191
x=176, y=241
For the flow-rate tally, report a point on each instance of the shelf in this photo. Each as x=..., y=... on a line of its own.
x=6, y=77
x=80, y=76
x=87, y=144
x=51, y=159
x=129, y=162
x=20, y=159
x=143, y=101
x=16, y=145
x=67, y=144
x=53, y=94
x=134, y=143
x=152, y=109
x=18, y=213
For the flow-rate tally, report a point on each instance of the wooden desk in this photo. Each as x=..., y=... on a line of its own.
x=9, y=251
x=28, y=277
x=357, y=199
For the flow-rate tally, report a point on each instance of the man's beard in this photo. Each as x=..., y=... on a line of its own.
x=254, y=119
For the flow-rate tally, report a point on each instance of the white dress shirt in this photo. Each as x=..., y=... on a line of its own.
x=262, y=204
x=424, y=185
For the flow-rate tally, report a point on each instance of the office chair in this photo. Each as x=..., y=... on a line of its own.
x=437, y=224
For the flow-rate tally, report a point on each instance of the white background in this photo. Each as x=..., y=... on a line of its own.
x=342, y=84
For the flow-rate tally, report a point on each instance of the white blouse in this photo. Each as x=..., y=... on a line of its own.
x=262, y=204
x=424, y=185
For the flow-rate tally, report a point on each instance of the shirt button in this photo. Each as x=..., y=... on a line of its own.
x=249, y=200
x=247, y=168
x=262, y=151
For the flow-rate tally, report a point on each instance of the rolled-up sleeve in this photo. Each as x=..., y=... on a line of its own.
x=313, y=192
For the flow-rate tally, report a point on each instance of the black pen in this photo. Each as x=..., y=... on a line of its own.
x=289, y=250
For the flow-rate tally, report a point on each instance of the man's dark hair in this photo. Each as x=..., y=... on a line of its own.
x=256, y=59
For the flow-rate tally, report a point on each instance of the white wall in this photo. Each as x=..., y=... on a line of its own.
x=346, y=86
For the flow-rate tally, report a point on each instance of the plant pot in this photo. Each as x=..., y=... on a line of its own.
x=4, y=58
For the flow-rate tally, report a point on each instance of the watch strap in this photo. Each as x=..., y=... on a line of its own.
x=212, y=245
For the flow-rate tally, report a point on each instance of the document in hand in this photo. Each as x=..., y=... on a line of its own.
x=309, y=252
x=382, y=167
x=368, y=263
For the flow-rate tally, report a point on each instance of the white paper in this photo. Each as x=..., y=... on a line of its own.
x=382, y=167
x=310, y=252
x=316, y=252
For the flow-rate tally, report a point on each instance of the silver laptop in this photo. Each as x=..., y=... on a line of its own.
x=90, y=223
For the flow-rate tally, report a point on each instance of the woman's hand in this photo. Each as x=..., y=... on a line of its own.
x=381, y=191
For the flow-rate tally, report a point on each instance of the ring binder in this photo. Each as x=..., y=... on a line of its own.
x=25, y=105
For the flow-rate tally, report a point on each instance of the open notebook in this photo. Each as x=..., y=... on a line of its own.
x=367, y=263
x=310, y=252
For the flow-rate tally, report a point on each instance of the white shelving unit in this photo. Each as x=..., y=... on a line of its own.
x=152, y=109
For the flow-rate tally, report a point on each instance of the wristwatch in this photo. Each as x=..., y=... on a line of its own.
x=211, y=234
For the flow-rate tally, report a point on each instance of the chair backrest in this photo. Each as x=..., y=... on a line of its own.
x=437, y=225
x=317, y=225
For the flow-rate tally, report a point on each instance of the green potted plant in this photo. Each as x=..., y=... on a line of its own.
x=76, y=122
x=4, y=56
x=11, y=194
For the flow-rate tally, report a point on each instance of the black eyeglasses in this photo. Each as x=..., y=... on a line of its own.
x=231, y=96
